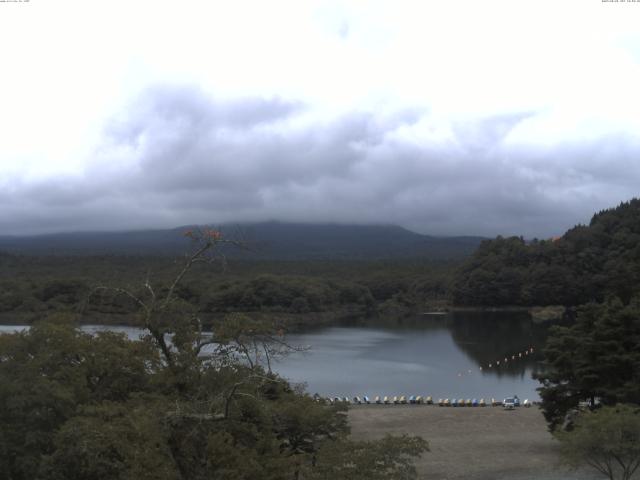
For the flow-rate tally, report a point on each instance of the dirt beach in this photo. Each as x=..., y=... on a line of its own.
x=471, y=443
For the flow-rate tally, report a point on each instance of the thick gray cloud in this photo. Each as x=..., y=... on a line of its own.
x=178, y=156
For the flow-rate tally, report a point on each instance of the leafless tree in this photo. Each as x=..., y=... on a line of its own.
x=160, y=311
x=163, y=314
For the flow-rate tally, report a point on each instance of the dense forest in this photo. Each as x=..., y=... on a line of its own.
x=588, y=263
x=35, y=286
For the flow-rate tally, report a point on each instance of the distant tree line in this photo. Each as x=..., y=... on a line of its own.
x=31, y=287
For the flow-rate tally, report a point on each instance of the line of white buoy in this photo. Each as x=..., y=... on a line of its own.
x=501, y=362
x=512, y=357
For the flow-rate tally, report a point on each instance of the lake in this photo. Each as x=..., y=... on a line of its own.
x=451, y=355
x=446, y=356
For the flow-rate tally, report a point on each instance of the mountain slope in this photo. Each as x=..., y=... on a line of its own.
x=268, y=240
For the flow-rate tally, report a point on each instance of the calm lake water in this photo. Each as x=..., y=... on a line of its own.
x=442, y=356
x=449, y=356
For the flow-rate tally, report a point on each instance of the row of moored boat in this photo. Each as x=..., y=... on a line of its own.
x=419, y=400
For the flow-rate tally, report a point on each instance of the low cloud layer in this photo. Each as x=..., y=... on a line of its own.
x=177, y=156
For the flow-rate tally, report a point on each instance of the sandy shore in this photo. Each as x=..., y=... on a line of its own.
x=471, y=443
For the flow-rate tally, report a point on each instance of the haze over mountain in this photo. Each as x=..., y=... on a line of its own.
x=267, y=240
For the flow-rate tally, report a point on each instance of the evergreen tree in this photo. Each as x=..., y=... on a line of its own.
x=596, y=360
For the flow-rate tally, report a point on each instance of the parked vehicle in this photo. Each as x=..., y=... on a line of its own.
x=509, y=403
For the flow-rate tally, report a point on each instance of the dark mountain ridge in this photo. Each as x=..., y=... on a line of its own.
x=267, y=240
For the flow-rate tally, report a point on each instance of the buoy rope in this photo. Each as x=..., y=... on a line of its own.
x=501, y=362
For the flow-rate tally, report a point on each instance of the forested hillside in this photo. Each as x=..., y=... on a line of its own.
x=588, y=263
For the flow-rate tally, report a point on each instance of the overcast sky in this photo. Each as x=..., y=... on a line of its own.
x=446, y=117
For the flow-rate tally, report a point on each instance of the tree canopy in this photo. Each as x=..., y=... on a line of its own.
x=608, y=440
x=597, y=359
